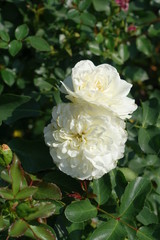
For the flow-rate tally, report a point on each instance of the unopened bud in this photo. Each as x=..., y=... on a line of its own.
x=5, y=155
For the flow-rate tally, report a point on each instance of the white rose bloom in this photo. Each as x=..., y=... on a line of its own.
x=85, y=142
x=100, y=85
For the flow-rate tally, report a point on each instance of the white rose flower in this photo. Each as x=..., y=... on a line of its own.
x=100, y=85
x=85, y=142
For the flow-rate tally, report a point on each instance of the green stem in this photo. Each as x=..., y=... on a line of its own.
x=117, y=218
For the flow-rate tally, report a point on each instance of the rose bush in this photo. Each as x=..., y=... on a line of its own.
x=100, y=85
x=85, y=141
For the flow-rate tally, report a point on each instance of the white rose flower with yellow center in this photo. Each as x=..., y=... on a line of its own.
x=100, y=85
x=85, y=141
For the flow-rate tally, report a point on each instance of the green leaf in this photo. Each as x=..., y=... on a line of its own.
x=1, y=88
x=3, y=223
x=154, y=30
x=32, y=154
x=146, y=216
x=134, y=196
x=136, y=74
x=146, y=17
x=26, y=192
x=23, y=209
x=145, y=233
x=88, y=19
x=150, y=112
x=117, y=59
x=74, y=15
x=5, y=176
x=94, y=48
x=110, y=230
x=131, y=232
x=16, y=175
x=64, y=181
x=48, y=191
x=4, y=36
x=102, y=188
x=8, y=76
x=84, y=4
x=14, y=47
x=42, y=84
x=80, y=211
x=148, y=139
x=41, y=210
x=121, y=183
x=123, y=52
x=144, y=45
x=6, y=193
x=21, y=32
x=39, y=43
x=42, y=233
x=101, y=5
x=3, y=44
x=26, y=110
x=128, y=173
x=18, y=228
x=74, y=230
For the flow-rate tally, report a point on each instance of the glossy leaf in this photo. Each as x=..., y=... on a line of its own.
x=26, y=192
x=154, y=30
x=8, y=76
x=32, y=154
x=16, y=175
x=84, y=4
x=42, y=233
x=47, y=191
x=145, y=233
x=63, y=181
x=3, y=224
x=14, y=47
x=146, y=216
x=121, y=183
x=123, y=52
x=134, y=196
x=101, y=5
x=18, y=228
x=39, y=43
x=8, y=103
x=131, y=231
x=144, y=45
x=110, y=230
x=6, y=176
x=74, y=15
x=135, y=73
x=6, y=193
x=4, y=36
x=150, y=112
x=88, y=19
x=41, y=210
x=102, y=188
x=21, y=32
x=80, y=211
x=128, y=173
x=3, y=44
x=148, y=139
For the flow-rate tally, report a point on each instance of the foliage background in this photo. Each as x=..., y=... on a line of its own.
x=33, y=61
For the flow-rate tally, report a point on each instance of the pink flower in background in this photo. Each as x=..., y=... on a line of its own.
x=132, y=28
x=124, y=4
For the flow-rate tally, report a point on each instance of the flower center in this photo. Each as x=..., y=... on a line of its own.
x=99, y=86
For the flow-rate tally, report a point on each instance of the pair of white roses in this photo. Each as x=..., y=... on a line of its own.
x=87, y=137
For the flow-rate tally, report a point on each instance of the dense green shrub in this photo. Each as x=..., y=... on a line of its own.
x=40, y=41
